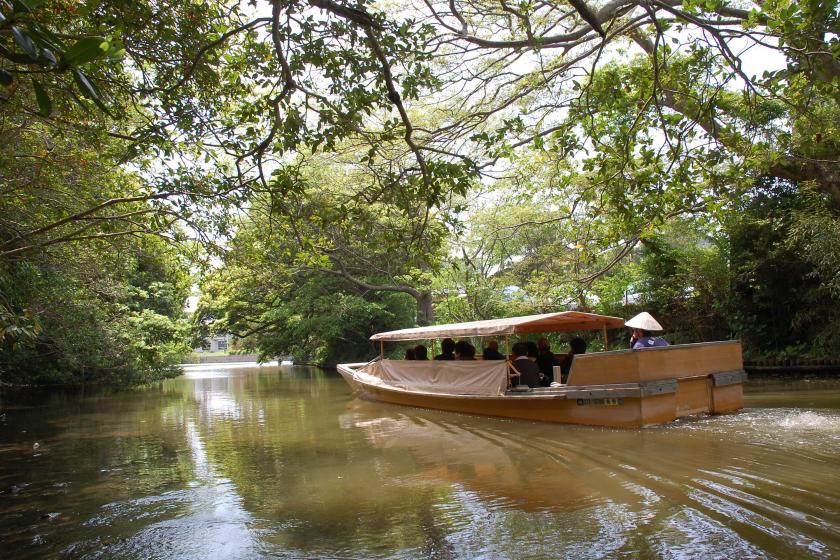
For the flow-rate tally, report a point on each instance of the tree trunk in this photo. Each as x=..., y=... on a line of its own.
x=425, y=309
x=826, y=176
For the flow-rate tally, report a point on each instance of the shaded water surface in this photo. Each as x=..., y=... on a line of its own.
x=247, y=462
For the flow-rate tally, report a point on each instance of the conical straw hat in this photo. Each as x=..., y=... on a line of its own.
x=643, y=321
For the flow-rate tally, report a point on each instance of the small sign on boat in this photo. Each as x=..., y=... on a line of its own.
x=601, y=402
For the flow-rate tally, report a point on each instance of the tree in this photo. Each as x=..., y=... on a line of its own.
x=314, y=317
x=245, y=88
x=784, y=249
x=383, y=241
x=96, y=97
x=648, y=106
x=96, y=313
x=88, y=292
x=642, y=113
x=529, y=66
x=281, y=293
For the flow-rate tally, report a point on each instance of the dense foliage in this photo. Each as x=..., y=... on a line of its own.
x=95, y=299
x=104, y=312
x=312, y=274
x=346, y=163
x=785, y=258
x=763, y=270
x=92, y=282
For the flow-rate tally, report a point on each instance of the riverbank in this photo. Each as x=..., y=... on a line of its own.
x=219, y=358
x=817, y=367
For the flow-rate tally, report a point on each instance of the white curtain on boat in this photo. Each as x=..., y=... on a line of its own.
x=477, y=377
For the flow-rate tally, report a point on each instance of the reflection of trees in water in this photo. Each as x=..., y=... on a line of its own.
x=102, y=432
x=507, y=472
x=97, y=453
x=820, y=395
x=276, y=439
x=293, y=463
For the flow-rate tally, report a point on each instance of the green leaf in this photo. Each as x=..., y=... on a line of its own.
x=25, y=42
x=85, y=50
x=45, y=38
x=49, y=56
x=6, y=78
x=89, y=90
x=44, y=103
x=28, y=5
x=18, y=7
x=13, y=56
x=85, y=86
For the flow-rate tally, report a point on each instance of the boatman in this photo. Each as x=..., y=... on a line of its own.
x=643, y=325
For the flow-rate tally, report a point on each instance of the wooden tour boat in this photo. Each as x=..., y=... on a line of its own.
x=623, y=388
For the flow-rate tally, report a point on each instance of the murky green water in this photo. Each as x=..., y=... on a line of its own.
x=284, y=463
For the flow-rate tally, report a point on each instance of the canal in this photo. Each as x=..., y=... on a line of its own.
x=268, y=462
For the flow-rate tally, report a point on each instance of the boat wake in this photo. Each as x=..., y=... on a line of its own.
x=761, y=483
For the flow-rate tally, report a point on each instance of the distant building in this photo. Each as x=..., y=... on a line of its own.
x=216, y=343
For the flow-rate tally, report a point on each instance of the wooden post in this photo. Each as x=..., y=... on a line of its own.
x=606, y=342
x=507, y=359
x=381, y=349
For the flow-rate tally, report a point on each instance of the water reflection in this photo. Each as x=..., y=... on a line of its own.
x=474, y=458
x=719, y=484
x=262, y=462
x=208, y=522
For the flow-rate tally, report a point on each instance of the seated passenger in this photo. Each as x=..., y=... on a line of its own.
x=420, y=352
x=410, y=354
x=491, y=351
x=533, y=351
x=447, y=346
x=576, y=346
x=643, y=324
x=528, y=372
x=546, y=361
x=464, y=350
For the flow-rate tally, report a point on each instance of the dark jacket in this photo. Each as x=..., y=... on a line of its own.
x=546, y=362
x=490, y=354
x=529, y=372
x=566, y=367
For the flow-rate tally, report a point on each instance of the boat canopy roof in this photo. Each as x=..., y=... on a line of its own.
x=565, y=321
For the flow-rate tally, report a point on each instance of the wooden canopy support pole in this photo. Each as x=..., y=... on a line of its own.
x=606, y=342
x=507, y=359
x=382, y=349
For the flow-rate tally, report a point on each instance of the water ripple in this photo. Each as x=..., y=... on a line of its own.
x=742, y=510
